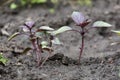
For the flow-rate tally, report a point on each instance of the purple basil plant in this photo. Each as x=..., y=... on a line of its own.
x=41, y=38
x=37, y=38
x=82, y=22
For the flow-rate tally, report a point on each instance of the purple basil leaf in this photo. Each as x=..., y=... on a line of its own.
x=25, y=28
x=78, y=17
x=30, y=24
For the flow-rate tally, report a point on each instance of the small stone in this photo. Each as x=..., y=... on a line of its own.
x=92, y=72
x=18, y=64
x=110, y=60
x=65, y=60
x=57, y=56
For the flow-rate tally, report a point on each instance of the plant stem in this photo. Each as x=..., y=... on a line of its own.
x=51, y=38
x=39, y=52
x=82, y=45
x=39, y=56
x=36, y=47
x=44, y=60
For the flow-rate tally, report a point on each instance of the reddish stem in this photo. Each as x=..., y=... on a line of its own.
x=82, y=44
x=36, y=47
x=39, y=50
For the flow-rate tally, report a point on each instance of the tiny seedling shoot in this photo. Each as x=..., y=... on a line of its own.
x=82, y=22
x=3, y=60
x=41, y=39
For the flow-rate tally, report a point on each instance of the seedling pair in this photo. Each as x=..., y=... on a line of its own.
x=43, y=37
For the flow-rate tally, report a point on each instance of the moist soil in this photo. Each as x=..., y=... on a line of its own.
x=101, y=57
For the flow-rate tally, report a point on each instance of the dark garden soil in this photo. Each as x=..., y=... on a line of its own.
x=101, y=57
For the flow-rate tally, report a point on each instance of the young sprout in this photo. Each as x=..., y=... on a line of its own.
x=3, y=60
x=82, y=21
x=37, y=38
x=41, y=38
